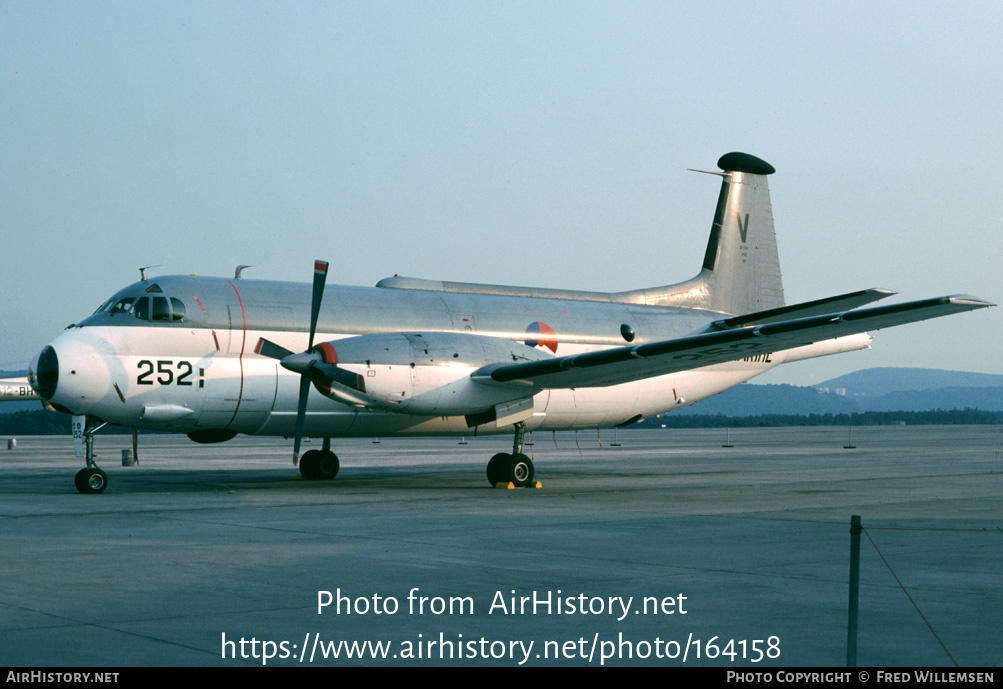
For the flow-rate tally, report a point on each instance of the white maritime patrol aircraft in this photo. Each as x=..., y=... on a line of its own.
x=214, y=357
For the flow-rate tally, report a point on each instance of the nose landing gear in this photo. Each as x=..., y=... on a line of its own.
x=91, y=479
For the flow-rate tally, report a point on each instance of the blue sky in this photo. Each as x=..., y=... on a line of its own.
x=539, y=144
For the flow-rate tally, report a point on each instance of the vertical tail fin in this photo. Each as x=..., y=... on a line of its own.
x=741, y=267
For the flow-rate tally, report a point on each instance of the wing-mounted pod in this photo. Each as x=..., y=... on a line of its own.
x=425, y=374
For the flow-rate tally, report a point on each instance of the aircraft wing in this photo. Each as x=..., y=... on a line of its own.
x=636, y=362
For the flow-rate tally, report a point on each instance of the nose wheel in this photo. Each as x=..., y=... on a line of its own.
x=91, y=479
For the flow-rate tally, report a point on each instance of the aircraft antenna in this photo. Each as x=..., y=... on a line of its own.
x=237, y=272
x=142, y=271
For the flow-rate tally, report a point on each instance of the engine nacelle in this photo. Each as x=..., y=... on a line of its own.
x=425, y=374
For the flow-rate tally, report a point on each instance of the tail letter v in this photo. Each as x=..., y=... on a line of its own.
x=743, y=229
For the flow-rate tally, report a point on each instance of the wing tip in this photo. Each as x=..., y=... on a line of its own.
x=968, y=300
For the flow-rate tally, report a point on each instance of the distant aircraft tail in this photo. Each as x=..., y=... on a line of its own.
x=741, y=267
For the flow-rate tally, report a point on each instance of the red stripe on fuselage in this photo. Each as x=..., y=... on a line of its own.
x=240, y=359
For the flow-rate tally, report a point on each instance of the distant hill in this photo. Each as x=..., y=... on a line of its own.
x=918, y=389
x=881, y=381
x=11, y=407
x=752, y=400
x=870, y=390
x=989, y=399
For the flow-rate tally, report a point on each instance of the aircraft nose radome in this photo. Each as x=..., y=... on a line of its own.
x=43, y=373
x=70, y=373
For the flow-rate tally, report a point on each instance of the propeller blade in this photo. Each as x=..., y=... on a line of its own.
x=271, y=350
x=319, y=278
x=301, y=363
x=300, y=417
x=339, y=375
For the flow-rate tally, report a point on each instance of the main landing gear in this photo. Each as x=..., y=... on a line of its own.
x=319, y=465
x=91, y=479
x=515, y=468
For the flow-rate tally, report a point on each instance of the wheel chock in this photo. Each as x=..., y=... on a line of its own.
x=512, y=486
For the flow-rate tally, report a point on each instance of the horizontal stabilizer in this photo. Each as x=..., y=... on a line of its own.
x=819, y=307
x=630, y=363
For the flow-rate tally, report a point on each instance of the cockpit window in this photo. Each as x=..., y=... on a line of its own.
x=141, y=309
x=123, y=305
x=161, y=309
x=168, y=309
x=177, y=309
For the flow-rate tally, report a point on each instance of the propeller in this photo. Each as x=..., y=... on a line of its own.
x=316, y=364
x=300, y=363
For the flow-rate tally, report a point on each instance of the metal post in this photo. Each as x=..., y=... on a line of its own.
x=851, y=626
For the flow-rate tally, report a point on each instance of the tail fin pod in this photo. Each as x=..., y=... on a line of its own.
x=741, y=267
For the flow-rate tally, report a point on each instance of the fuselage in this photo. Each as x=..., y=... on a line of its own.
x=176, y=353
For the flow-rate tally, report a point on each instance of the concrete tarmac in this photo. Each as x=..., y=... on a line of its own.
x=667, y=550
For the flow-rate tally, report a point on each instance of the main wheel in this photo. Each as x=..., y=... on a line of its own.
x=91, y=481
x=309, y=465
x=515, y=469
x=496, y=468
x=519, y=470
x=327, y=465
x=319, y=465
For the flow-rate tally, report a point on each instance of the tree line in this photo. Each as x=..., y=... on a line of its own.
x=936, y=417
x=54, y=423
